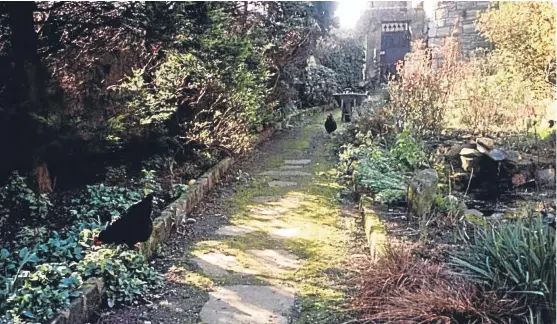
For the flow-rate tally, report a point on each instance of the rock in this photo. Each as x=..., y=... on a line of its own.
x=470, y=152
x=546, y=177
x=285, y=174
x=496, y=155
x=421, y=193
x=233, y=230
x=473, y=212
x=454, y=151
x=297, y=162
x=513, y=156
x=488, y=143
x=282, y=183
x=248, y=304
x=497, y=216
x=482, y=149
x=469, y=163
x=475, y=216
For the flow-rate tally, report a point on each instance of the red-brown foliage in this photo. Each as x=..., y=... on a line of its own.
x=399, y=288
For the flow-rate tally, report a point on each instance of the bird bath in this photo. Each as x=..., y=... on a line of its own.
x=347, y=101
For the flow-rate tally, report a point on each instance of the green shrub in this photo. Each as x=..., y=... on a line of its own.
x=379, y=173
x=408, y=151
x=38, y=281
x=319, y=85
x=127, y=276
x=513, y=259
x=17, y=198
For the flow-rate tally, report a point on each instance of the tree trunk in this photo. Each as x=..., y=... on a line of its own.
x=27, y=88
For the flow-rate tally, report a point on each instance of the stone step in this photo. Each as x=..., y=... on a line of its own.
x=285, y=173
x=291, y=167
x=297, y=162
x=277, y=183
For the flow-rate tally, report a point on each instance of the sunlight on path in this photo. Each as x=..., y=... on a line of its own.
x=281, y=258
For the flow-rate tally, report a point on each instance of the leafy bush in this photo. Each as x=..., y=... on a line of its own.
x=40, y=279
x=44, y=293
x=16, y=198
x=491, y=97
x=319, y=86
x=344, y=55
x=514, y=259
x=103, y=202
x=214, y=98
x=127, y=276
x=38, y=282
x=408, y=151
x=382, y=170
x=524, y=34
x=379, y=174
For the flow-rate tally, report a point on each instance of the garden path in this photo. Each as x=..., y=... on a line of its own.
x=269, y=245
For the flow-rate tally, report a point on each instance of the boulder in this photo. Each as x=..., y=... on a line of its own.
x=469, y=158
x=513, y=156
x=422, y=191
x=488, y=143
x=470, y=152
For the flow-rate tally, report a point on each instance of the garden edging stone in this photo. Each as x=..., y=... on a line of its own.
x=375, y=230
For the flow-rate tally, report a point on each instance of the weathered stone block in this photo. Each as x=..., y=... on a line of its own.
x=466, y=4
x=373, y=227
x=469, y=28
x=444, y=31
x=422, y=191
x=84, y=306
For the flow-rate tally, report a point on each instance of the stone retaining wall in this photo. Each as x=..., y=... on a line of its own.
x=83, y=307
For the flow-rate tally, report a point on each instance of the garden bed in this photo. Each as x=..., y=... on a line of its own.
x=467, y=213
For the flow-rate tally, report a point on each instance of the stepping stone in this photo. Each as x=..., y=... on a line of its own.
x=291, y=167
x=266, y=199
x=282, y=184
x=276, y=260
x=297, y=162
x=268, y=211
x=219, y=264
x=235, y=230
x=285, y=232
x=285, y=173
x=244, y=304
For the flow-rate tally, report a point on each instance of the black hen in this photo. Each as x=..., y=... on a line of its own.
x=330, y=124
x=133, y=227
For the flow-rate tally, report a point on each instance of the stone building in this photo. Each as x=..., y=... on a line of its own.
x=455, y=18
x=387, y=29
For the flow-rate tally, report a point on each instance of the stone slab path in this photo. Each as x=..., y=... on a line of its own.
x=270, y=251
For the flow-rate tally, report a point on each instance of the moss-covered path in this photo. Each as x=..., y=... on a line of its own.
x=268, y=247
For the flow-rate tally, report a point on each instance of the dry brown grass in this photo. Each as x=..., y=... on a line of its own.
x=399, y=288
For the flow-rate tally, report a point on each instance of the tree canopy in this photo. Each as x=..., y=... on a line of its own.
x=96, y=76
